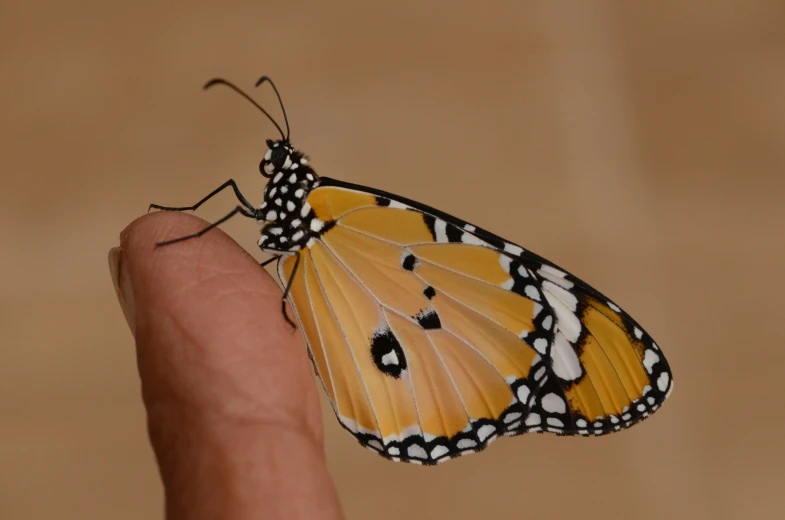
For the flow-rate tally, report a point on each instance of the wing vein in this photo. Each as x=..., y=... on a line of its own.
x=351, y=352
x=321, y=338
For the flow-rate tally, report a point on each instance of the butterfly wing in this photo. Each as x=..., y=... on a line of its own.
x=606, y=372
x=432, y=338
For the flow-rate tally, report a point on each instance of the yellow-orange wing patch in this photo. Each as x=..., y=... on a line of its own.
x=424, y=357
x=433, y=337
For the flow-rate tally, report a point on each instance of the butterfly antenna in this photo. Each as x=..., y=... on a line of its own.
x=220, y=81
x=280, y=101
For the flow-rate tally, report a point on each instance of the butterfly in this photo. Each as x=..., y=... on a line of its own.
x=431, y=336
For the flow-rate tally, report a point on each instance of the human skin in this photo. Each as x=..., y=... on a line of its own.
x=233, y=412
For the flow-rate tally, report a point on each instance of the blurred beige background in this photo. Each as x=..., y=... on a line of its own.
x=642, y=147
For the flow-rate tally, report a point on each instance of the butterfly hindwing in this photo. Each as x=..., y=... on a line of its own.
x=425, y=355
x=433, y=337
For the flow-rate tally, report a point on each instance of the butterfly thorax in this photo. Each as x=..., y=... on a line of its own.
x=288, y=221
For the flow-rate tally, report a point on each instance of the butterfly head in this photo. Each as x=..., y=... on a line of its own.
x=280, y=158
x=277, y=158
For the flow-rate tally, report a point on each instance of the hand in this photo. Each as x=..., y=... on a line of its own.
x=232, y=408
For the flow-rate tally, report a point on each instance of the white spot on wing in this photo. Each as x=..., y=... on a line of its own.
x=532, y=292
x=662, y=381
x=566, y=364
x=650, y=358
x=440, y=227
x=537, y=310
x=552, y=403
x=466, y=443
x=417, y=452
x=398, y=205
x=510, y=417
x=468, y=238
x=547, y=322
x=555, y=276
x=391, y=358
x=566, y=320
x=566, y=297
x=512, y=248
x=485, y=431
x=546, y=270
x=438, y=451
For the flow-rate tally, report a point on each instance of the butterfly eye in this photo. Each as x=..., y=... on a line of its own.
x=279, y=157
x=275, y=159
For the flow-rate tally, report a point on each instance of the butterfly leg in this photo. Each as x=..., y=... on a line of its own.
x=215, y=192
x=235, y=211
x=289, y=286
x=270, y=260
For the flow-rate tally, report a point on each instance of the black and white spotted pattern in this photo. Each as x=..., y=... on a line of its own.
x=289, y=223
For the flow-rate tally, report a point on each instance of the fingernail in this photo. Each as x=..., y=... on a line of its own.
x=122, y=286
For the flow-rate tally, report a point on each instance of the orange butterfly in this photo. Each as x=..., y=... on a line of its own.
x=431, y=336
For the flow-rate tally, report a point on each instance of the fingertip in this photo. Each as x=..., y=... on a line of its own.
x=226, y=381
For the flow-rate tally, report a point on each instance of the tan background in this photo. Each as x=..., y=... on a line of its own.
x=641, y=147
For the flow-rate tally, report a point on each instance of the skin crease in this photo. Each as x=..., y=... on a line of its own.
x=232, y=406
